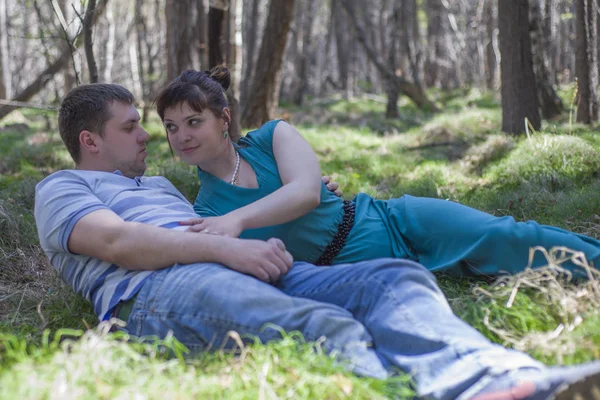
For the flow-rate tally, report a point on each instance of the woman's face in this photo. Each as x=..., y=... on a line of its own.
x=197, y=138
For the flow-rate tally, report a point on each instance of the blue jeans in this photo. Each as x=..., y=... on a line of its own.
x=379, y=316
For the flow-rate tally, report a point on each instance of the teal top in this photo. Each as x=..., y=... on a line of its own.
x=305, y=237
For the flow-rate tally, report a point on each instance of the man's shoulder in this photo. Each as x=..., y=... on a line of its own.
x=69, y=176
x=58, y=176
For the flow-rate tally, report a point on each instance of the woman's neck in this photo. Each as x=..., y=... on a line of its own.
x=222, y=166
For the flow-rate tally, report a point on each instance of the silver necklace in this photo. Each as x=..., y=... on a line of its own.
x=234, y=179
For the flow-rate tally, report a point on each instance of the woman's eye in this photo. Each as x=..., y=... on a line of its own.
x=194, y=122
x=170, y=127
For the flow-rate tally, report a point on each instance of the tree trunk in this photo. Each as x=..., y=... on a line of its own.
x=304, y=40
x=216, y=17
x=4, y=56
x=109, y=57
x=551, y=104
x=140, y=35
x=180, y=30
x=87, y=39
x=410, y=37
x=265, y=85
x=392, y=92
x=519, y=93
x=586, y=61
x=490, y=17
x=342, y=49
x=250, y=28
x=438, y=59
x=234, y=51
x=201, y=32
x=414, y=92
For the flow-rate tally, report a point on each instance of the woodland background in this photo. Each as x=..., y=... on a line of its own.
x=493, y=104
x=291, y=50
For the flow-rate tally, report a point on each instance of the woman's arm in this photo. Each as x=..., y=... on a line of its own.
x=301, y=177
x=300, y=174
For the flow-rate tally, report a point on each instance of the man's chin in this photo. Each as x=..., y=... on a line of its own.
x=135, y=171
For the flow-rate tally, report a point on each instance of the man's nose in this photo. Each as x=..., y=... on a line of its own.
x=144, y=137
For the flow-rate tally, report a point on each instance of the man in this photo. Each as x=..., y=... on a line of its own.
x=114, y=236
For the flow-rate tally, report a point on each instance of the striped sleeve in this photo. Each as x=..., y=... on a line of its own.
x=61, y=200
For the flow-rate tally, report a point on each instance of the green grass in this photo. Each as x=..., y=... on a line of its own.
x=120, y=370
x=458, y=154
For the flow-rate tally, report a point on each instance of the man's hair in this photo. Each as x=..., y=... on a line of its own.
x=87, y=107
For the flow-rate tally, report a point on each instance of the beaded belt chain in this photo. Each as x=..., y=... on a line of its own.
x=339, y=240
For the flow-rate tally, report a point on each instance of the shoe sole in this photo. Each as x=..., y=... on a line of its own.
x=585, y=389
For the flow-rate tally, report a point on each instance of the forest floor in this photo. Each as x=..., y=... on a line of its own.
x=52, y=347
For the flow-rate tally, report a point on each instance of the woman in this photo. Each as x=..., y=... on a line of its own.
x=268, y=185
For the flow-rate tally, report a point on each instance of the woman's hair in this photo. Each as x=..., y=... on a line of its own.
x=201, y=90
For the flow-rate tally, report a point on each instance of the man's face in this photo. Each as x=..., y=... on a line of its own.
x=123, y=145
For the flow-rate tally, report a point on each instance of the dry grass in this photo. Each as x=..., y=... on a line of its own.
x=551, y=285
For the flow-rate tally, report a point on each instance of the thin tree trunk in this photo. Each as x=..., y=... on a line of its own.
x=551, y=104
x=414, y=92
x=491, y=60
x=45, y=76
x=436, y=49
x=68, y=75
x=391, y=109
x=87, y=38
x=265, y=85
x=586, y=61
x=305, y=29
x=5, y=59
x=140, y=36
x=519, y=92
x=250, y=28
x=409, y=27
x=110, y=42
x=343, y=50
x=3, y=50
x=202, y=32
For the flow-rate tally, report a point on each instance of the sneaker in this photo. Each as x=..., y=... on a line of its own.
x=580, y=382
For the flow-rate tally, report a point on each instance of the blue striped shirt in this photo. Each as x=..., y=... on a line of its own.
x=66, y=196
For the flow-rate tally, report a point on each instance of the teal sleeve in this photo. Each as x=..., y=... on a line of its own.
x=262, y=137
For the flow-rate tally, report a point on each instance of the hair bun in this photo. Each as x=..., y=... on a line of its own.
x=221, y=75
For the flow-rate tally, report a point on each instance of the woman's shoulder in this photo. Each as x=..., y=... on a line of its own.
x=261, y=137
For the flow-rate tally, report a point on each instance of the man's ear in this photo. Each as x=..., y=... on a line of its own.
x=89, y=141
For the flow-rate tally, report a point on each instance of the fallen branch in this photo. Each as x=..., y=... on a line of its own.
x=25, y=104
x=49, y=72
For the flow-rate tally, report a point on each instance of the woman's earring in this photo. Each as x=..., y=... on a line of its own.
x=225, y=133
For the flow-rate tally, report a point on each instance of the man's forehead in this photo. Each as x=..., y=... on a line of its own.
x=123, y=112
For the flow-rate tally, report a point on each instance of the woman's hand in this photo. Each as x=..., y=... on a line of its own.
x=332, y=186
x=225, y=225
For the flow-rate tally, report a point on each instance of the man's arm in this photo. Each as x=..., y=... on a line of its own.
x=104, y=235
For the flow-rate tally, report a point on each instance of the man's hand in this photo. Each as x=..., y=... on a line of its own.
x=225, y=225
x=267, y=261
x=332, y=186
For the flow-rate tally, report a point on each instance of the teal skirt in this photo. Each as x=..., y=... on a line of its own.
x=459, y=240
